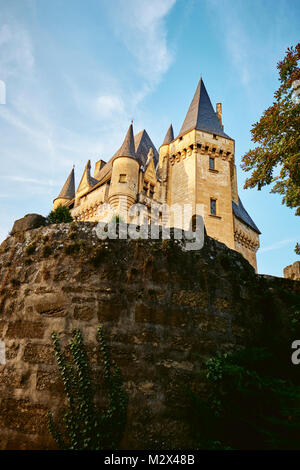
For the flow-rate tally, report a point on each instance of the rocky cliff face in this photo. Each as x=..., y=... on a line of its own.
x=164, y=311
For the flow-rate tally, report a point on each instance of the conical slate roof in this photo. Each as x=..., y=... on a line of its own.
x=169, y=136
x=201, y=114
x=127, y=149
x=142, y=145
x=68, y=190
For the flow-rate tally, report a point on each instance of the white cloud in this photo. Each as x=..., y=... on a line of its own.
x=140, y=24
x=16, y=51
x=109, y=105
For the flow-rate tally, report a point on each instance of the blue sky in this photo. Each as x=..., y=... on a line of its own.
x=77, y=71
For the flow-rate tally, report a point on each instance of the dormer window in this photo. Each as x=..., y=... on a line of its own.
x=214, y=136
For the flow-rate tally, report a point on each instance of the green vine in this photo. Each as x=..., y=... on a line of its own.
x=85, y=426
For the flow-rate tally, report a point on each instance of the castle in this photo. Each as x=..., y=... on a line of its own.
x=196, y=168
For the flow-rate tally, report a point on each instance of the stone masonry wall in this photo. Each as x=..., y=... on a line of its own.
x=164, y=311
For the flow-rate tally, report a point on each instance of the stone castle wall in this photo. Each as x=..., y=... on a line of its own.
x=164, y=311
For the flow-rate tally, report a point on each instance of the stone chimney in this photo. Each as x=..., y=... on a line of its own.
x=219, y=113
x=98, y=166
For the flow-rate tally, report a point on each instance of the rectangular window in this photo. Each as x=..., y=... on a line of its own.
x=211, y=163
x=122, y=179
x=213, y=207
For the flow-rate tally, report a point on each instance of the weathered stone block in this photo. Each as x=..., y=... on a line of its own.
x=190, y=298
x=36, y=353
x=10, y=377
x=23, y=415
x=49, y=380
x=49, y=304
x=84, y=312
x=25, y=329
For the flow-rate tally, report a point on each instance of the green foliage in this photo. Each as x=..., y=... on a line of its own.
x=30, y=249
x=247, y=408
x=278, y=137
x=85, y=426
x=297, y=249
x=74, y=247
x=60, y=215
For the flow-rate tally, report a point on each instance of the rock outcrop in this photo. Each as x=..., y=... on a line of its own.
x=28, y=222
x=164, y=311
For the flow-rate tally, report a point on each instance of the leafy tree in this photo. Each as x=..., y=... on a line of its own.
x=248, y=408
x=297, y=249
x=278, y=137
x=60, y=215
x=86, y=427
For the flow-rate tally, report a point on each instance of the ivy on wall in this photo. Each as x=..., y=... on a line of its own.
x=85, y=426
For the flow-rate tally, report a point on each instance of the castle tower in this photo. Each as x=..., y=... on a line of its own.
x=125, y=176
x=67, y=193
x=201, y=170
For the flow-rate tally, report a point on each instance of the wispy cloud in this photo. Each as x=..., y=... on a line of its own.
x=16, y=51
x=141, y=26
x=278, y=245
x=25, y=180
x=232, y=33
x=143, y=30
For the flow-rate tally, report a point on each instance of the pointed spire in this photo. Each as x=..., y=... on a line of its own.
x=68, y=190
x=127, y=148
x=201, y=114
x=169, y=136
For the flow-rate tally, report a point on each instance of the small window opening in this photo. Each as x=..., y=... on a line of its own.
x=211, y=163
x=123, y=178
x=213, y=207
